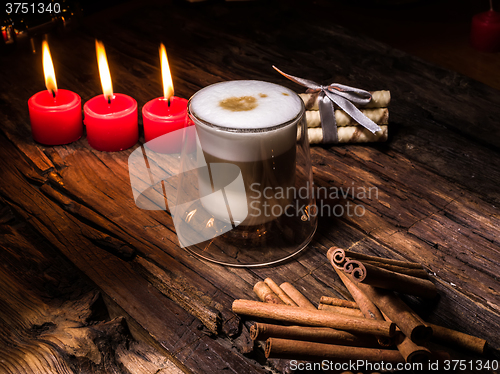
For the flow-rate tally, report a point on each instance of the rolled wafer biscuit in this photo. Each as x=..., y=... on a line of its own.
x=378, y=115
x=380, y=99
x=350, y=134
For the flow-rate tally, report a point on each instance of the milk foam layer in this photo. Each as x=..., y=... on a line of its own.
x=274, y=104
x=247, y=135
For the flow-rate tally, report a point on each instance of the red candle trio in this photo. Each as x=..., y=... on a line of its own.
x=110, y=118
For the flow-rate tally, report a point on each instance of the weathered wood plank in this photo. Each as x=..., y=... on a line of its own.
x=172, y=326
x=167, y=283
x=92, y=182
x=405, y=208
x=54, y=321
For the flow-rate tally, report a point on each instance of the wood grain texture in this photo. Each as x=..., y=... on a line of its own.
x=54, y=321
x=436, y=178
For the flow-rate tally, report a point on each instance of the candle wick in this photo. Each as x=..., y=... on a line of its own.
x=168, y=102
x=109, y=99
x=53, y=93
x=491, y=5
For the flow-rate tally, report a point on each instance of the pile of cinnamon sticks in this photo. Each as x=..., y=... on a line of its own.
x=348, y=131
x=377, y=326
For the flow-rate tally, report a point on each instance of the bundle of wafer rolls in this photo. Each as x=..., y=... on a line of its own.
x=376, y=326
x=348, y=131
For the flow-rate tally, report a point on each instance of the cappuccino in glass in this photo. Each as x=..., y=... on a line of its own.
x=253, y=125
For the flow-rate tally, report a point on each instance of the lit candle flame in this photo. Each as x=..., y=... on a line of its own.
x=168, y=85
x=102, y=62
x=48, y=69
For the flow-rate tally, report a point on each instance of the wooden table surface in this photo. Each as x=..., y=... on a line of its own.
x=437, y=176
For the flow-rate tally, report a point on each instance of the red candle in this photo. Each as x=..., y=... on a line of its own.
x=485, y=31
x=110, y=119
x=111, y=126
x=161, y=117
x=164, y=115
x=55, y=115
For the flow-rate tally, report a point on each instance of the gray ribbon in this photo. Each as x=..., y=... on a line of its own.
x=344, y=97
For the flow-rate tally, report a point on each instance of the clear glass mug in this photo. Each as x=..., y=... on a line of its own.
x=241, y=194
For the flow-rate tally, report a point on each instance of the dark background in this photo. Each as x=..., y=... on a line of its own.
x=437, y=31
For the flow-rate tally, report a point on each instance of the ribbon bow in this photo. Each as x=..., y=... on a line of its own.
x=344, y=97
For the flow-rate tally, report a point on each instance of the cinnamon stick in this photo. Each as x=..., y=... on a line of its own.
x=408, y=349
x=337, y=257
x=296, y=296
x=278, y=291
x=284, y=348
x=341, y=310
x=338, y=302
x=265, y=294
x=311, y=317
x=411, y=351
x=390, y=261
x=379, y=277
x=264, y=290
x=458, y=339
x=454, y=338
x=263, y=331
x=397, y=311
x=419, y=273
x=366, y=306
